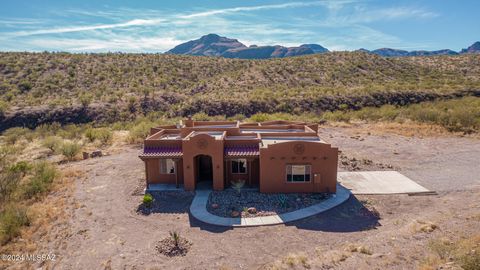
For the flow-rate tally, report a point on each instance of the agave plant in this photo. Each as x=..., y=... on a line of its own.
x=175, y=237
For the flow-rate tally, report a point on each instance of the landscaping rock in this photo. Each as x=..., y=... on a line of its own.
x=235, y=214
x=232, y=204
x=97, y=153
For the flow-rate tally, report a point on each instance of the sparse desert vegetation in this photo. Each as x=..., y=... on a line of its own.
x=38, y=88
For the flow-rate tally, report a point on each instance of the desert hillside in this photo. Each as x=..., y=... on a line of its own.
x=45, y=87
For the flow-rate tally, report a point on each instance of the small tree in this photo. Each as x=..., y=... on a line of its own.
x=70, y=150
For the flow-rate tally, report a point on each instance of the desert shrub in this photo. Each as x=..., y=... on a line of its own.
x=261, y=117
x=201, y=116
x=9, y=181
x=21, y=167
x=90, y=135
x=238, y=117
x=104, y=135
x=3, y=107
x=147, y=200
x=45, y=130
x=12, y=219
x=70, y=149
x=43, y=175
x=71, y=132
x=139, y=132
x=52, y=143
x=12, y=135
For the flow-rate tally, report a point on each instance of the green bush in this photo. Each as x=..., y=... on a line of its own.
x=139, y=132
x=9, y=181
x=201, y=117
x=90, y=135
x=104, y=135
x=3, y=107
x=21, y=167
x=12, y=135
x=43, y=175
x=52, y=143
x=70, y=150
x=147, y=200
x=12, y=219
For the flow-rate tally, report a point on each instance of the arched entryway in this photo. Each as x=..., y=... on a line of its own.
x=203, y=171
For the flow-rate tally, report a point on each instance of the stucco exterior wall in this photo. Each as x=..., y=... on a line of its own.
x=202, y=144
x=274, y=159
x=155, y=177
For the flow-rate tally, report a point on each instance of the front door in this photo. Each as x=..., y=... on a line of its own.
x=204, y=168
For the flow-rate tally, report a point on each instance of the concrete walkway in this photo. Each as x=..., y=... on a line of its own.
x=198, y=209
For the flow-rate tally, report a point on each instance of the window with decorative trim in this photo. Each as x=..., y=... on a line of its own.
x=298, y=173
x=239, y=166
x=167, y=166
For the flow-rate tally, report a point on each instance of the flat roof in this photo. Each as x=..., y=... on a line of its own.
x=273, y=140
x=216, y=134
x=253, y=130
x=216, y=126
x=240, y=137
x=171, y=137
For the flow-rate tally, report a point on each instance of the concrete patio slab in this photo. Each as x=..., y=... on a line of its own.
x=379, y=182
x=198, y=209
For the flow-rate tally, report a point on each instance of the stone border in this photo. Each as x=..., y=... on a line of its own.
x=198, y=209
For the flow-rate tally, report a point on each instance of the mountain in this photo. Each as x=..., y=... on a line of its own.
x=208, y=45
x=389, y=52
x=428, y=53
x=315, y=48
x=215, y=45
x=264, y=52
x=474, y=48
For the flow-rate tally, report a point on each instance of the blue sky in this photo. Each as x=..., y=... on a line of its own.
x=156, y=26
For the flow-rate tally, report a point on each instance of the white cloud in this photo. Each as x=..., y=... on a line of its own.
x=341, y=25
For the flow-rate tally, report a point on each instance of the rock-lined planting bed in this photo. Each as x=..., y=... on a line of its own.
x=229, y=203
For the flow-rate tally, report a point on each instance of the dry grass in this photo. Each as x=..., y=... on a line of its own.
x=463, y=253
x=291, y=261
x=47, y=215
x=407, y=129
x=423, y=226
x=358, y=248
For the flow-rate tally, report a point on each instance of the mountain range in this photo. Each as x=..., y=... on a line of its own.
x=215, y=45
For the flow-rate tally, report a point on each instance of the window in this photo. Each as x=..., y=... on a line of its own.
x=298, y=173
x=167, y=166
x=239, y=166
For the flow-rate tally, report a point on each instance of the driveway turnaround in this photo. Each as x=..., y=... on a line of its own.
x=379, y=182
x=198, y=209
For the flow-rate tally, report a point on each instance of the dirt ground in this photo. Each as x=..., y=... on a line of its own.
x=106, y=232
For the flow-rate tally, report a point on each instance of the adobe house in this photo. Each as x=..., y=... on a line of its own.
x=276, y=156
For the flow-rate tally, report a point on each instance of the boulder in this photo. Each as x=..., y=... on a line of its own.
x=235, y=214
x=252, y=210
